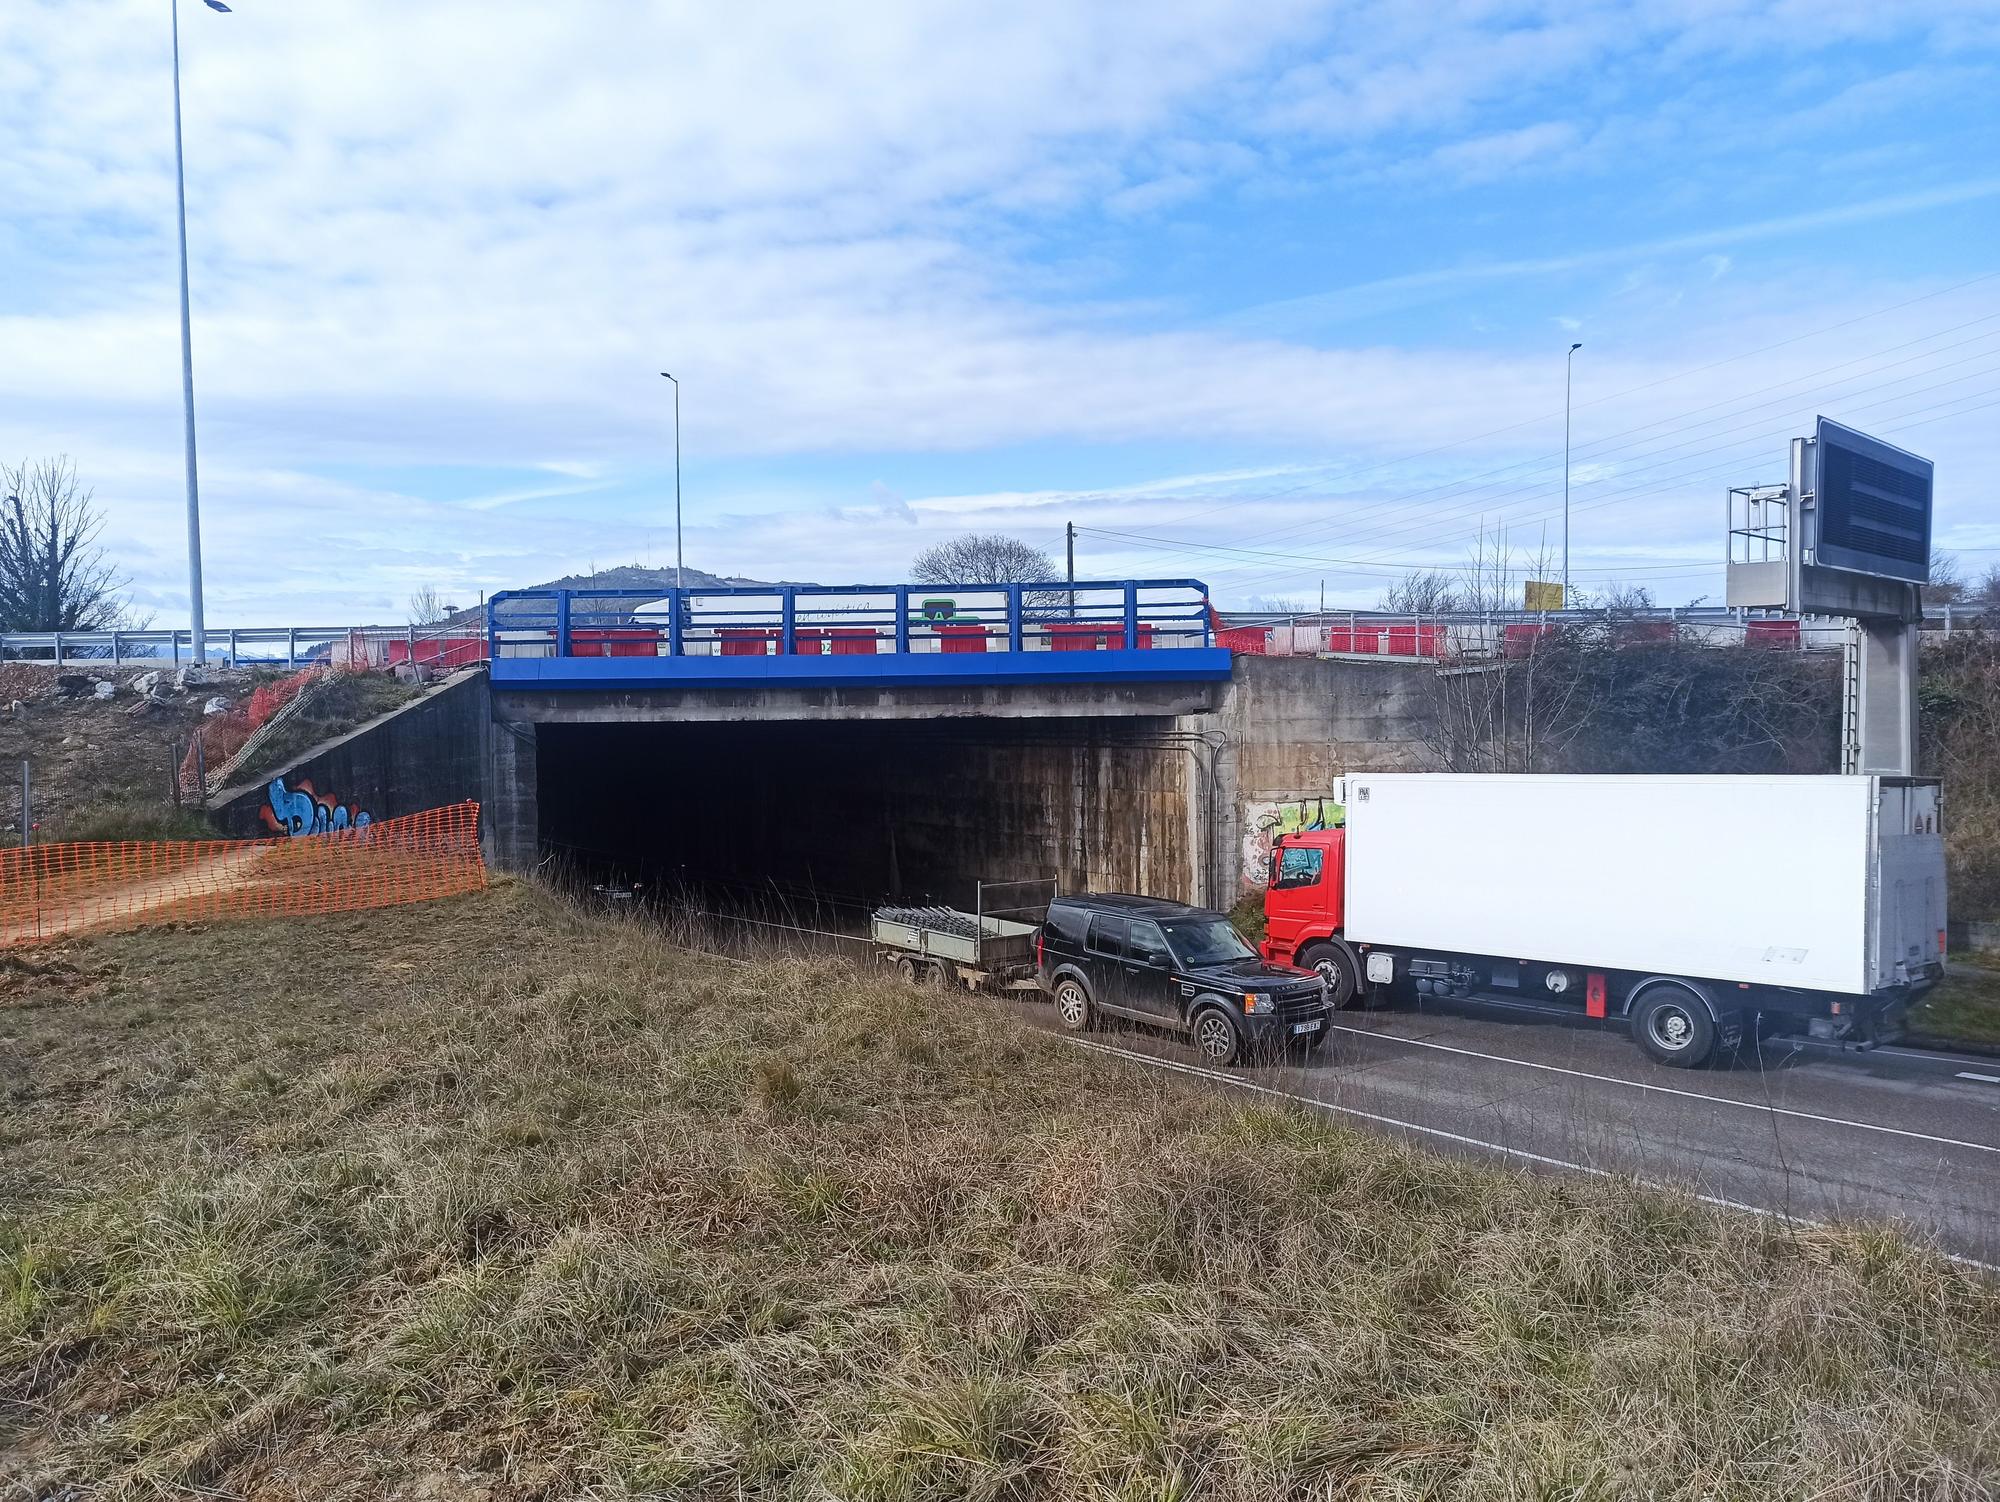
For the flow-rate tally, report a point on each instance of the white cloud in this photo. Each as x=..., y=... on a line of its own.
x=458, y=236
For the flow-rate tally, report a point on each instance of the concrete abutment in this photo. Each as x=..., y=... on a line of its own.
x=1170, y=789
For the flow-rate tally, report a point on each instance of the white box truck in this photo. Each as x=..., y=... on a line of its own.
x=1689, y=906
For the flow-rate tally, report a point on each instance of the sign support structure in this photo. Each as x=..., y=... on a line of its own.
x=1847, y=535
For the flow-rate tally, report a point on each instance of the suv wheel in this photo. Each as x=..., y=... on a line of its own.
x=1072, y=1004
x=1215, y=1036
x=1336, y=967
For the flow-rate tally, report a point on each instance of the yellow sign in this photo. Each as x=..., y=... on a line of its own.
x=1543, y=596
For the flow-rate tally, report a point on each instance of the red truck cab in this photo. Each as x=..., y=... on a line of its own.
x=1304, y=910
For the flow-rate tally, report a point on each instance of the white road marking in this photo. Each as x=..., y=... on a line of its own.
x=1238, y=1082
x=1984, y=1079
x=1718, y=1100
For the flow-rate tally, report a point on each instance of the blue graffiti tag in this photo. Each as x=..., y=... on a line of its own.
x=300, y=811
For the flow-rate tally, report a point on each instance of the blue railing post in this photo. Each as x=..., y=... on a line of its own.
x=788, y=622
x=492, y=633
x=562, y=623
x=676, y=641
x=1208, y=622
x=1131, y=614
x=902, y=617
x=1013, y=618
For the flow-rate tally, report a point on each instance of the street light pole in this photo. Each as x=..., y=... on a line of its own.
x=1569, y=364
x=680, y=580
x=195, y=622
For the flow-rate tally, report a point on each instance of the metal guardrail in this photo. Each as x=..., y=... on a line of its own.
x=248, y=646
x=852, y=620
x=1057, y=616
x=1498, y=633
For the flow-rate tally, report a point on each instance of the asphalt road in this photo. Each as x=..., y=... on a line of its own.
x=1808, y=1131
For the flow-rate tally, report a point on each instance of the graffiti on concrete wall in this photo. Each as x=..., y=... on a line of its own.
x=1263, y=821
x=298, y=810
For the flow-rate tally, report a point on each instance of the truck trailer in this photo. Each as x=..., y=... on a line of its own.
x=1691, y=908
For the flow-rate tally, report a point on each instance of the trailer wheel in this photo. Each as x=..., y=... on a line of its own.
x=1215, y=1036
x=1672, y=1026
x=1336, y=967
x=1073, y=1004
x=937, y=977
x=906, y=969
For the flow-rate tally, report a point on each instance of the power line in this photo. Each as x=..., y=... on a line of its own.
x=1632, y=390
x=1920, y=417
x=1376, y=558
x=1467, y=487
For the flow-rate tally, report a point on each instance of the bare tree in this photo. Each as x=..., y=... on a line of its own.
x=428, y=607
x=1619, y=598
x=53, y=575
x=1422, y=592
x=983, y=558
x=1986, y=594
x=1597, y=697
x=1495, y=572
x=1947, y=584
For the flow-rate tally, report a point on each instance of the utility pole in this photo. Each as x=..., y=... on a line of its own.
x=1569, y=364
x=196, y=622
x=1069, y=538
x=680, y=573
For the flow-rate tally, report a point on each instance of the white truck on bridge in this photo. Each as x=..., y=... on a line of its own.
x=1690, y=906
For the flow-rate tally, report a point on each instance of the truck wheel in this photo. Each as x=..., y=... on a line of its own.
x=1671, y=1025
x=906, y=969
x=1216, y=1038
x=1073, y=1004
x=1336, y=967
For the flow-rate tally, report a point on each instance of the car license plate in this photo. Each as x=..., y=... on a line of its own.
x=1306, y=1027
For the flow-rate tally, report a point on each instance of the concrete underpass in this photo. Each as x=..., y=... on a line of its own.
x=916, y=810
x=882, y=792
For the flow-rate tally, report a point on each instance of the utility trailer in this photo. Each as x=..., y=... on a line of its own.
x=991, y=948
x=1692, y=907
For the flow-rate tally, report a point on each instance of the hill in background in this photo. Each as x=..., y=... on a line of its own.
x=625, y=576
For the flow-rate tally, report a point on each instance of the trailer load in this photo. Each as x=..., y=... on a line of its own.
x=990, y=948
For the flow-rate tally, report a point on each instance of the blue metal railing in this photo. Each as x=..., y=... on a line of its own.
x=852, y=620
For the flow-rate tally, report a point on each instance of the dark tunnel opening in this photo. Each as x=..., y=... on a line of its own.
x=853, y=813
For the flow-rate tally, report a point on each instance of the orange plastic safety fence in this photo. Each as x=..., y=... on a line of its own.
x=50, y=890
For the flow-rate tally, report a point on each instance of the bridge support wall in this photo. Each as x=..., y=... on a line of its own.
x=1173, y=789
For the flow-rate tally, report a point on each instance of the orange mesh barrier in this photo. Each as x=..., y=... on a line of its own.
x=50, y=890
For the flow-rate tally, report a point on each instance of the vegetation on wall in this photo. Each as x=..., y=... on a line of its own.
x=1958, y=707
x=1616, y=697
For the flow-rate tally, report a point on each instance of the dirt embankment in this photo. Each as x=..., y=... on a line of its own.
x=89, y=754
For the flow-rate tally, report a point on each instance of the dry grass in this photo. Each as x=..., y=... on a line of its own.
x=485, y=1199
x=136, y=819
x=1965, y=1008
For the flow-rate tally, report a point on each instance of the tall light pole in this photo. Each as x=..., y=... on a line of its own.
x=680, y=580
x=1569, y=364
x=197, y=627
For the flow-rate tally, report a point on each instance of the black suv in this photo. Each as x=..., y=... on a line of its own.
x=1179, y=967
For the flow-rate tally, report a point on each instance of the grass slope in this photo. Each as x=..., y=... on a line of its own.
x=1965, y=1007
x=338, y=704
x=488, y=1200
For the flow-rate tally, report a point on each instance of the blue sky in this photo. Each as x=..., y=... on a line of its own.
x=1279, y=294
